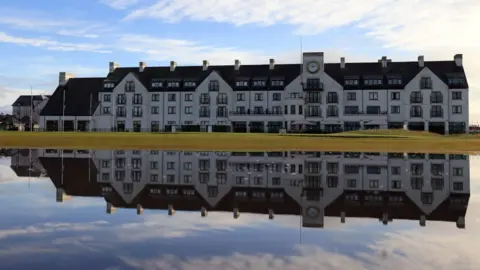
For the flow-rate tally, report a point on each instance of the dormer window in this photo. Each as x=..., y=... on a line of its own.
x=108, y=85
x=426, y=83
x=173, y=85
x=259, y=83
x=314, y=84
x=373, y=82
x=243, y=83
x=395, y=81
x=456, y=81
x=130, y=86
x=189, y=84
x=157, y=83
x=277, y=83
x=351, y=82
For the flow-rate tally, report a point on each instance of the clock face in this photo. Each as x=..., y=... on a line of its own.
x=312, y=212
x=312, y=66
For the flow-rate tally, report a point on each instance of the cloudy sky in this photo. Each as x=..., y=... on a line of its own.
x=40, y=38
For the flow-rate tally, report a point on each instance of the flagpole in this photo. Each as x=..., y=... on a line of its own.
x=90, y=122
x=63, y=111
x=31, y=108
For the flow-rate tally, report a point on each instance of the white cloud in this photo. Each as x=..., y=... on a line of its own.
x=120, y=4
x=53, y=45
x=52, y=227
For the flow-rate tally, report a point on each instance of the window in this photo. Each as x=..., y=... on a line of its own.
x=314, y=84
x=240, y=96
x=259, y=83
x=276, y=181
x=222, y=98
x=136, y=163
x=416, y=97
x=189, y=84
x=351, y=169
x=106, y=110
x=156, y=83
x=374, y=110
x=426, y=83
x=313, y=111
x=457, y=171
x=155, y=110
x=416, y=111
x=350, y=110
x=187, y=166
x=436, y=169
x=456, y=109
x=154, y=127
x=170, y=165
x=351, y=82
x=373, y=82
x=173, y=84
x=373, y=96
x=188, y=97
x=293, y=109
x=456, y=81
x=137, y=111
x=153, y=165
x=187, y=179
x=129, y=86
x=436, y=97
x=221, y=111
x=241, y=83
x=258, y=96
x=332, y=168
x=395, y=170
x=170, y=179
x=436, y=111
x=204, y=111
x=213, y=85
x=416, y=169
x=188, y=110
x=457, y=186
x=437, y=183
x=332, y=97
x=212, y=191
x=277, y=96
x=204, y=99
x=332, y=111
x=373, y=170
x=396, y=184
x=105, y=163
x=351, y=183
x=153, y=177
x=395, y=81
x=121, y=99
x=105, y=176
x=352, y=96
x=457, y=95
x=137, y=99
x=107, y=97
x=394, y=109
x=395, y=96
x=172, y=110
x=108, y=85
x=155, y=97
x=172, y=97
x=332, y=181
x=373, y=184
x=276, y=83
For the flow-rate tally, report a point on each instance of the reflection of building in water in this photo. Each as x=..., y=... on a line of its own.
x=376, y=185
x=25, y=163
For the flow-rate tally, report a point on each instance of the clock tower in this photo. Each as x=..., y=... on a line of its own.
x=313, y=63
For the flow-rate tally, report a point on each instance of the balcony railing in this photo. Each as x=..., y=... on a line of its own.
x=253, y=113
x=313, y=100
x=366, y=113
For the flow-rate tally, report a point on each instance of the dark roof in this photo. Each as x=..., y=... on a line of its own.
x=26, y=100
x=76, y=179
x=79, y=93
x=25, y=171
x=288, y=72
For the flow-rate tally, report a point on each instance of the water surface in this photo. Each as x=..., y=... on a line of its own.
x=102, y=209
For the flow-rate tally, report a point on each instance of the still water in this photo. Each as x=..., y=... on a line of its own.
x=104, y=209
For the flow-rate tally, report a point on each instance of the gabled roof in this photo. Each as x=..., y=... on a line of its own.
x=26, y=100
x=79, y=94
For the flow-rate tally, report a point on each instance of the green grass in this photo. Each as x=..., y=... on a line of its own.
x=355, y=141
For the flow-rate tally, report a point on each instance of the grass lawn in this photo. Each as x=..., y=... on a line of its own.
x=358, y=141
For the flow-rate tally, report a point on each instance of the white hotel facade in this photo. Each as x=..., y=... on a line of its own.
x=419, y=95
x=376, y=185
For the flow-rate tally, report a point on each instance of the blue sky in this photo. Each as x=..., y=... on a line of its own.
x=38, y=39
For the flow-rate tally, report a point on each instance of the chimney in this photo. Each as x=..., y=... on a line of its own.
x=141, y=66
x=63, y=77
x=384, y=61
x=342, y=62
x=173, y=65
x=421, y=61
x=205, y=65
x=112, y=67
x=272, y=63
x=237, y=64
x=458, y=60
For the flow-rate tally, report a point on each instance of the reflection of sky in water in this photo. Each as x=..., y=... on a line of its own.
x=36, y=231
